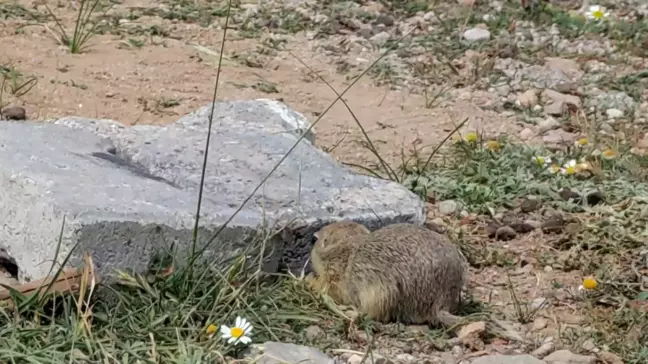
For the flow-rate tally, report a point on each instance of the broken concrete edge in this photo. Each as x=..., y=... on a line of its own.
x=295, y=122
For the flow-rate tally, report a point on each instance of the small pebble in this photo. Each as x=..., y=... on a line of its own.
x=614, y=113
x=14, y=113
x=476, y=34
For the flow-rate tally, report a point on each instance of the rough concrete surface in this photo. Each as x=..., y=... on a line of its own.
x=129, y=193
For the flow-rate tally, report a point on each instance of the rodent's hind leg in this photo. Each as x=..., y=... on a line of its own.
x=376, y=302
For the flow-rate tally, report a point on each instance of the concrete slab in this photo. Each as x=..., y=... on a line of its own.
x=130, y=193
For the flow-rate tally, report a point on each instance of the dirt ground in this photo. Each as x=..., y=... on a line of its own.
x=160, y=82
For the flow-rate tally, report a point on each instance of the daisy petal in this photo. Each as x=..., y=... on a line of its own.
x=238, y=321
x=245, y=340
x=231, y=340
x=245, y=326
x=225, y=330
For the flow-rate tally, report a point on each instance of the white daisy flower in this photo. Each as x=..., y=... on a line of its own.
x=239, y=333
x=569, y=167
x=596, y=12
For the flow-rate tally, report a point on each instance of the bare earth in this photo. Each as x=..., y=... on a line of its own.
x=135, y=85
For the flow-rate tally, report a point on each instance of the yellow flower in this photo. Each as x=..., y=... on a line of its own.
x=554, y=168
x=542, y=161
x=211, y=329
x=583, y=166
x=471, y=137
x=493, y=145
x=569, y=168
x=581, y=142
x=590, y=283
x=609, y=154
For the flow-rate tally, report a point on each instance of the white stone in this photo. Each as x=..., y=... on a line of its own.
x=476, y=34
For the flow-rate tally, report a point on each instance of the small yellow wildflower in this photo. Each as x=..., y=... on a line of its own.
x=581, y=142
x=590, y=283
x=471, y=137
x=569, y=168
x=493, y=145
x=583, y=165
x=609, y=154
x=542, y=161
x=211, y=329
x=596, y=12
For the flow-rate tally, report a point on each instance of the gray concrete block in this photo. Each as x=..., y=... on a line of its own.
x=130, y=192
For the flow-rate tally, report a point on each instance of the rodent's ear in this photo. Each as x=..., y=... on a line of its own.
x=316, y=235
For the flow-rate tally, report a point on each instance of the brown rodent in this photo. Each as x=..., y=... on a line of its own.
x=401, y=272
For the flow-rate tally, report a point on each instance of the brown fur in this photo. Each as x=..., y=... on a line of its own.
x=401, y=272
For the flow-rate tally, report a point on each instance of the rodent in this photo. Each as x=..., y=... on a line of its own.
x=401, y=272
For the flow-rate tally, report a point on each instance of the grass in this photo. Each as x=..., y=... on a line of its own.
x=162, y=317
x=84, y=26
x=14, y=83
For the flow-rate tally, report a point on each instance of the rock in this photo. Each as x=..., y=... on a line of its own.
x=370, y=359
x=507, y=359
x=313, y=332
x=588, y=345
x=366, y=33
x=528, y=98
x=539, y=302
x=539, y=323
x=567, y=66
x=533, y=223
x=406, y=358
x=526, y=134
x=448, y=207
x=505, y=233
x=567, y=357
x=559, y=138
x=470, y=335
x=380, y=39
x=614, y=113
x=272, y=352
x=544, y=350
x=127, y=193
x=568, y=194
x=554, y=223
x=612, y=100
x=385, y=20
x=609, y=358
x=530, y=204
x=476, y=34
x=521, y=227
x=549, y=123
x=558, y=102
x=551, y=75
x=13, y=113
x=473, y=329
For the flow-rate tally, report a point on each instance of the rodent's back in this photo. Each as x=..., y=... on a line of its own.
x=408, y=271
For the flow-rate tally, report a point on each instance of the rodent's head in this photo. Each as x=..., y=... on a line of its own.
x=338, y=233
x=332, y=246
